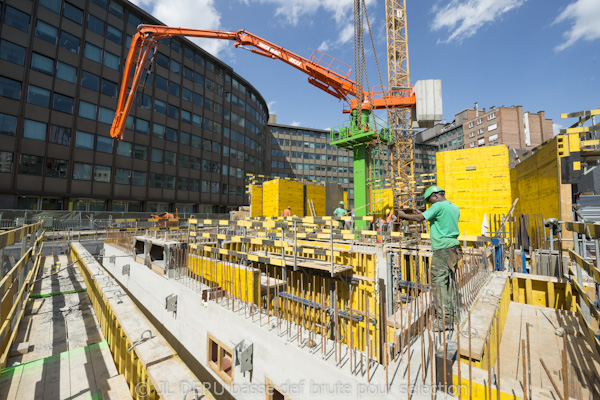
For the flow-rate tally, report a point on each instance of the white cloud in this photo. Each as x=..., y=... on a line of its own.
x=556, y=128
x=197, y=14
x=324, y=46
x=295, y=123
x=346, y=34
x=293, y=10
x=462, y=18
x=585, y=17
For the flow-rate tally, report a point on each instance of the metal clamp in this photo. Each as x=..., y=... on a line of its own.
x=142, y=339
x=490, y=293
x=465, y=332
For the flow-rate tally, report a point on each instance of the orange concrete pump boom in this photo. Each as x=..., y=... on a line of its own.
x=321, y=71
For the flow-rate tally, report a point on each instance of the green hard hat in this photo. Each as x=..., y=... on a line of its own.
x=341, y=202
x=431, y=190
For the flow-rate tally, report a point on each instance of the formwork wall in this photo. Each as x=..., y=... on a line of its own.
x=316, y=193
x=278, y=194
x=478, y=181
x=536, y=181
x=256, y=201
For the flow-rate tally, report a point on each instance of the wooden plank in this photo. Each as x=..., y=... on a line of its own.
x=116, y=388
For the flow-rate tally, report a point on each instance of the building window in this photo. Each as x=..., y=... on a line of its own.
x=105, y=115
x=133, y=19
x=31, y=165
x=491, y=116
x=34, y=130
x=123, y=176
x=472, y=144
x=53, y=5
x=480, y=131
x=6, y=159
x=479, y=121
x=140, y=152
x=162, y=60
x=17, y=19
x=84, y=140
x=60, y=135
x=171, y=134
x=62, y=103
x=42, y=63
x=82, y=172
x=56, y=168
x=12, y=52
x=104, y=144
x=481, y=141
x=87, y=110
x=116, y=8
x=92, y=52
x=73, y=13
x=100, y=3
x=156, y=155
x=124, y=149
x=10, y=88
x=101, y=173
x=161, y=83
x=38, y=96
x=169, y=182
x=493, y=137
x=8, y=124
x=66, y=72
x=138, y=178
x=95, y=24
x=113, y=34
x=69, y=42
x=141, y=125
x=109, y=88
x=472, y=134
x=155, y=180
x=170, y=158
x=174, y=89
x=160, y=106
x=493, y=126
x=111, y=60
x=471, y=124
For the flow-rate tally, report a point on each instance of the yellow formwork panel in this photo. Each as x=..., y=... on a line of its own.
x=278, y=194
x=236, y=280
x=316, y=193
x=478, y=181
x=256, y=201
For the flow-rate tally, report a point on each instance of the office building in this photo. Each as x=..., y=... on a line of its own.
x=195, y=131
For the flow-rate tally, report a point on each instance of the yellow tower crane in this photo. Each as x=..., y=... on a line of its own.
x=401, y=148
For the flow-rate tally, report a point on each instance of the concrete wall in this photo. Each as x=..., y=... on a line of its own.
x=296, y=371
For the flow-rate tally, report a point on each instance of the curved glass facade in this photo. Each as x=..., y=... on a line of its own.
x=196, y=128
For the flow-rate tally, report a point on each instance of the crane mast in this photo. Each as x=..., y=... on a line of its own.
x=401, y=149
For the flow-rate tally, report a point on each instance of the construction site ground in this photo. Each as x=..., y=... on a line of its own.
x=60, y=351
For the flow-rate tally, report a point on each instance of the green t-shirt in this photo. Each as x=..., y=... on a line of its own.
x=338, y=212
x=443, y=217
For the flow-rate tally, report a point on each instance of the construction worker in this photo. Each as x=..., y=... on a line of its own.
x=390, y=219
x=339, y=212
x=443, y=217
x=287, y=212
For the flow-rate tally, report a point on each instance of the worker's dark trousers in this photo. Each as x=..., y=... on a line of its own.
x=443, y=273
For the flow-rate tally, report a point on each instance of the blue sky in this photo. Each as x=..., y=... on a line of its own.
x=541, y=54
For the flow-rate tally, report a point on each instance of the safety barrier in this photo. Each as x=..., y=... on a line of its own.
x=15, y=287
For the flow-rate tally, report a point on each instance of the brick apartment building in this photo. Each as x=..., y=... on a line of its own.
x=480, y=127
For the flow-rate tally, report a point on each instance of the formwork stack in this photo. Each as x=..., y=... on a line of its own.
x=278, y=194
x=315, y=194
x=256, y=201
x=477, y=181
